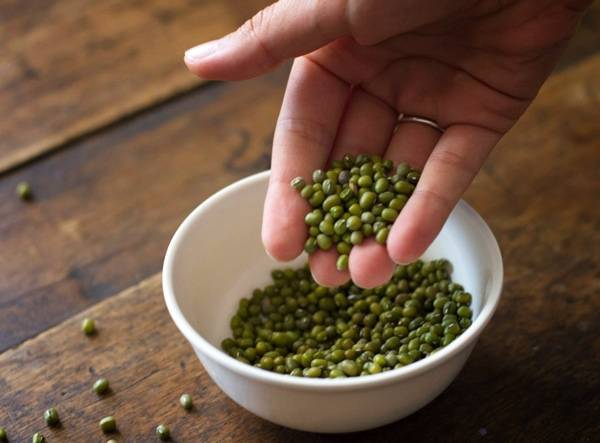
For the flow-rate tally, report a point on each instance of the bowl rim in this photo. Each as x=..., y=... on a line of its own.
x=340, y=384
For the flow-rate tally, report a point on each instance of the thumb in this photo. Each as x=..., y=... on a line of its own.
x=285, y=29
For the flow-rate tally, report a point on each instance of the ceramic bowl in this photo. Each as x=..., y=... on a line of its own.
x=216, y=257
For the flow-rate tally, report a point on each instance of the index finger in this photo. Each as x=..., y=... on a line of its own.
x=285, y=29
x=310, y=115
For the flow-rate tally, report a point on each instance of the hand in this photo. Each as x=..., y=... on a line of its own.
x=471, y=66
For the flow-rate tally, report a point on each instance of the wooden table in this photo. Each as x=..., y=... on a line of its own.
x=119, y=143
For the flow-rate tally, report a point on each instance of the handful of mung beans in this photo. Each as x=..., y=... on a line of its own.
x=294, y=326
x=357, y=198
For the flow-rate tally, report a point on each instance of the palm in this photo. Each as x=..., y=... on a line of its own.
x=483, y=72
x=471, y=66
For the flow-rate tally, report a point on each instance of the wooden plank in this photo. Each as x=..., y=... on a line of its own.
x=532, y=377
x=102, y=219
x=148, y=364
x=77, y=65
x=105, y=210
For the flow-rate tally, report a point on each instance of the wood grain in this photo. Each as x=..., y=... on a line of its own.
x=104, y=210
x=533, y=377
x=76, y=66
x=148, y=364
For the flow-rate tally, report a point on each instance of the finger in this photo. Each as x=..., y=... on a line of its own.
x=311, y=111
x=323, y=268
x=286, y=29
x=368, y=266
x=366, y=126
x=412, y=143
x=455, y=160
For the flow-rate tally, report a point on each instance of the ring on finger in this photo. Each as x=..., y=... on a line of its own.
x=403, y=118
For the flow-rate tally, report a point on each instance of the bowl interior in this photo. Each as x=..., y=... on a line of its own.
x=217, y=257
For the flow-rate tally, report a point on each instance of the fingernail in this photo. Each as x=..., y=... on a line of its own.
x=404, y=260
x=401, y=260
x=201, y=51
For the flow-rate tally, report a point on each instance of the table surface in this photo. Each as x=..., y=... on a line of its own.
x=120, y=142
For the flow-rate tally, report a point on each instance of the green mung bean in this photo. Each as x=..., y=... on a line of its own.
x=163, y=432
x=51, y=417
x=296, y=327
x=307, y=191
x=342, y=262
x=101, y=386
x=298, y=183
x=186, y=401
x=382, y=235
x=365, y=192
x=23, y=190
x=356, y=238
x=88, y=326
x=108, y=424
x=413, y=177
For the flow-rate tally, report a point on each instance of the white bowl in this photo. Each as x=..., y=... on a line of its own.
x=216, y=257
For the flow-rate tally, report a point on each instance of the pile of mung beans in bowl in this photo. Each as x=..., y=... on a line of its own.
x=326, y=359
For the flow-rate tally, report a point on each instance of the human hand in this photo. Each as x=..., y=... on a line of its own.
x=471, y=66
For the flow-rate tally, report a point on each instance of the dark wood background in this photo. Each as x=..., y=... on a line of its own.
x=120, y=142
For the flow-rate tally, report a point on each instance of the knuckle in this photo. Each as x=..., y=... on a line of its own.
x=359, y=16
x=439, y=198
x=452, y=159
x=255, y=29
x=257, y=22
